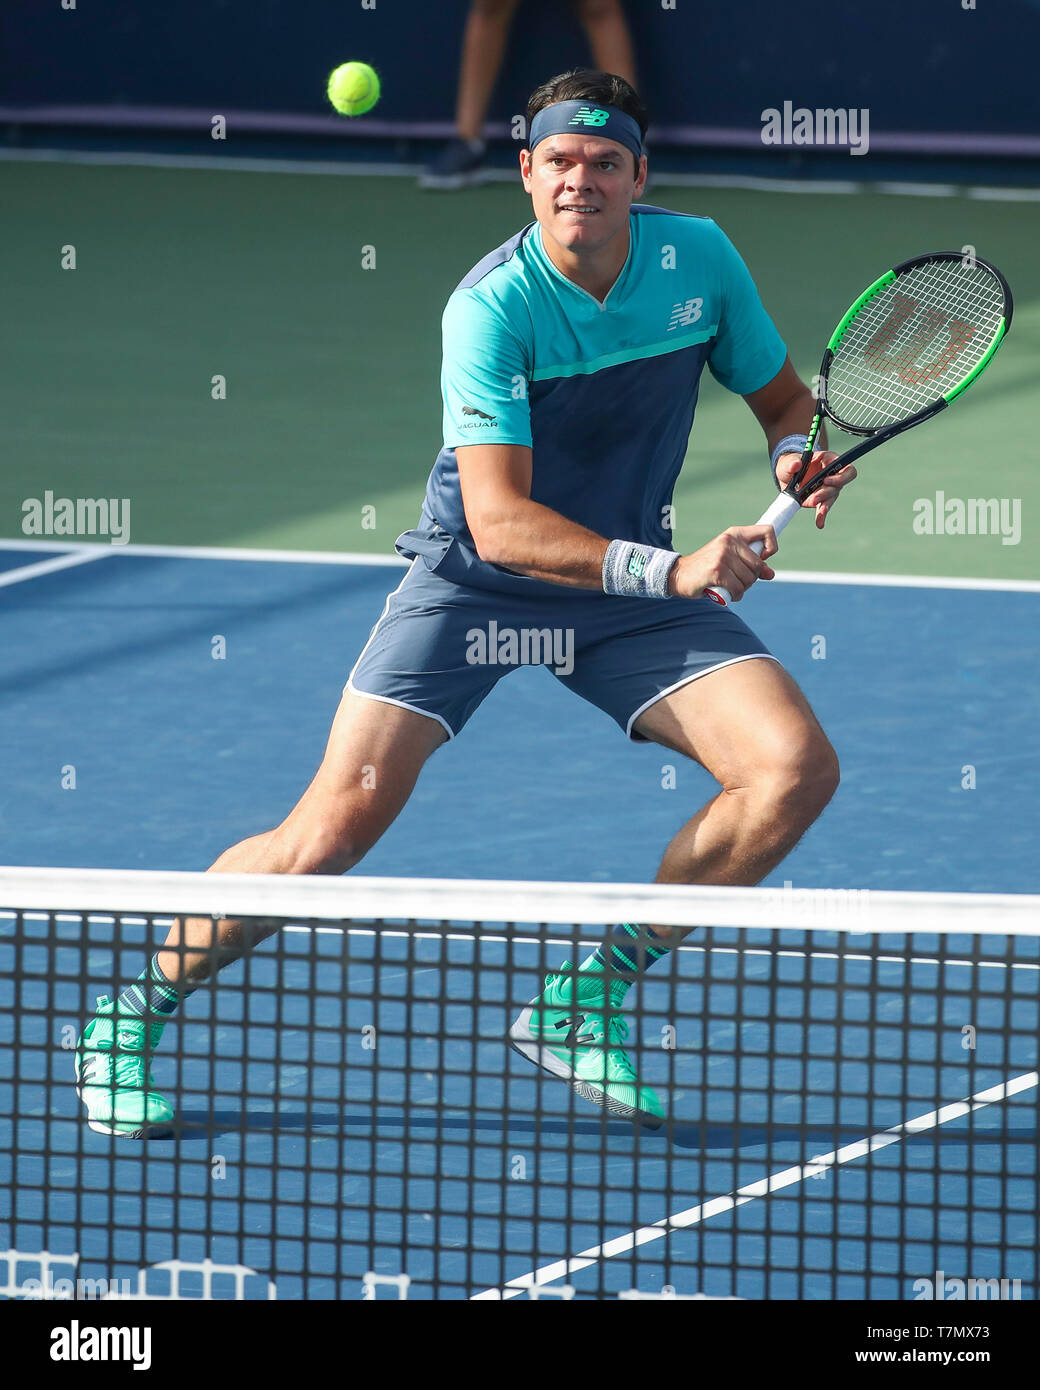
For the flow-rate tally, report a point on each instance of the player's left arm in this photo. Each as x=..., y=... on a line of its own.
x=785, y=406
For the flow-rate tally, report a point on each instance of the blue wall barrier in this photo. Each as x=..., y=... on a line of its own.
x=919, y=65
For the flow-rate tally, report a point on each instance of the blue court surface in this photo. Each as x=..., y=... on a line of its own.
x=928, y=694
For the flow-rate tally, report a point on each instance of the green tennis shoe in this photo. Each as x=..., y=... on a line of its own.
x=112, y=1079
x=574, y=1031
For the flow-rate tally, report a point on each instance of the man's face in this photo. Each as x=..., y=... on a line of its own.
x=582, y=187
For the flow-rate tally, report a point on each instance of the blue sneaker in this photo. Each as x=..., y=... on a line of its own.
x=459, y=165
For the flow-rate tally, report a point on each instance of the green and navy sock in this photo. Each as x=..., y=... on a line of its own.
x=150, y=994
x=628, y=953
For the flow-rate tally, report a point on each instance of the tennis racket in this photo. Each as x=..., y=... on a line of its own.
x=911, y=344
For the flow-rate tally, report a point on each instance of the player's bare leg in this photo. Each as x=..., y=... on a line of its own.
x=374, y=755
x=751, y=727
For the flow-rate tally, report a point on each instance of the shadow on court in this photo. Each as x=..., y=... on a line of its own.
x=198, y=1126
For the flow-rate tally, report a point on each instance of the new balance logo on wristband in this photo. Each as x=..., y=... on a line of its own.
x=634, y=570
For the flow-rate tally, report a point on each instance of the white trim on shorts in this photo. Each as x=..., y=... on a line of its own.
x=731, y=661
x=386, y=700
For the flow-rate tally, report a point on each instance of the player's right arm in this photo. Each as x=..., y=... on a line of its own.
x=511, y=530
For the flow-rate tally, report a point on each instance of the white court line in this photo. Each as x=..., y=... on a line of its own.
x=561, y=940
x=907, y=581
x=216, y=163
x=42, y=567
x=787, y=1177
x=213, y=552
x=919, y=190
x=662, y=178
x=335, y=557
x=979, y=192
x=1004, y=195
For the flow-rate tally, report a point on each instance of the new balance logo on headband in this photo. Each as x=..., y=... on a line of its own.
x=590, y=115
x=562, y=117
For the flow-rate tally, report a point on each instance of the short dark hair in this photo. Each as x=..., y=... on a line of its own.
x=589, y=84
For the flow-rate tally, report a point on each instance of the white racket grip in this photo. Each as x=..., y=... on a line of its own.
x=782, y=509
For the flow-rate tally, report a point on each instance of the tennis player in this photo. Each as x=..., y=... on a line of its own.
x=572, y=357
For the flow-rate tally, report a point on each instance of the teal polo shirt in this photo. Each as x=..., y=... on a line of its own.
x=604, y=393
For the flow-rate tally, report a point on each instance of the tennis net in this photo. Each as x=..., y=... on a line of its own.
x=848, y=1080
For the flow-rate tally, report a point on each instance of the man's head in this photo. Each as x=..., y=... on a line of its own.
x=584, y=166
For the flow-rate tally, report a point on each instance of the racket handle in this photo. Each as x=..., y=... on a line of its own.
x=784, y=508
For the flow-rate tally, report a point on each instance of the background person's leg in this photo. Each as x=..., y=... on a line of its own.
x=607, y=29
x=483, y=43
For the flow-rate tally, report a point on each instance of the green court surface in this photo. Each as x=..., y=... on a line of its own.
x=185, y=274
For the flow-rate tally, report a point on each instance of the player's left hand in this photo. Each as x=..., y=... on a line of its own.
x=824, y=498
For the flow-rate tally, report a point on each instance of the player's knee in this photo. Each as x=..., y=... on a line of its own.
x=802, y=778
x=325, y=849
x=336, y=854
x=825, y=776
x=815, y=780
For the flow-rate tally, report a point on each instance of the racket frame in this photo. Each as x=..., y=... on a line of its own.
x=787, y=503
x=796, y=488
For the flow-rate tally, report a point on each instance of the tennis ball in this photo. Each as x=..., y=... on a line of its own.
x=353, y=88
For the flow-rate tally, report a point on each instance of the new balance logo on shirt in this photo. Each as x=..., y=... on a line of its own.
x=686, y=313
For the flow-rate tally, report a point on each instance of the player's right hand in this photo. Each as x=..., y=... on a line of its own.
x=727, y=562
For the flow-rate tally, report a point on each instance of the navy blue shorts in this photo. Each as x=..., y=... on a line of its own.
x=440, y=647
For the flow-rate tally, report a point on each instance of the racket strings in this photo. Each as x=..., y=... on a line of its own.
x=913, y=342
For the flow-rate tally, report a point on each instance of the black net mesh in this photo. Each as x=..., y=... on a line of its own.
x=845, y=1115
